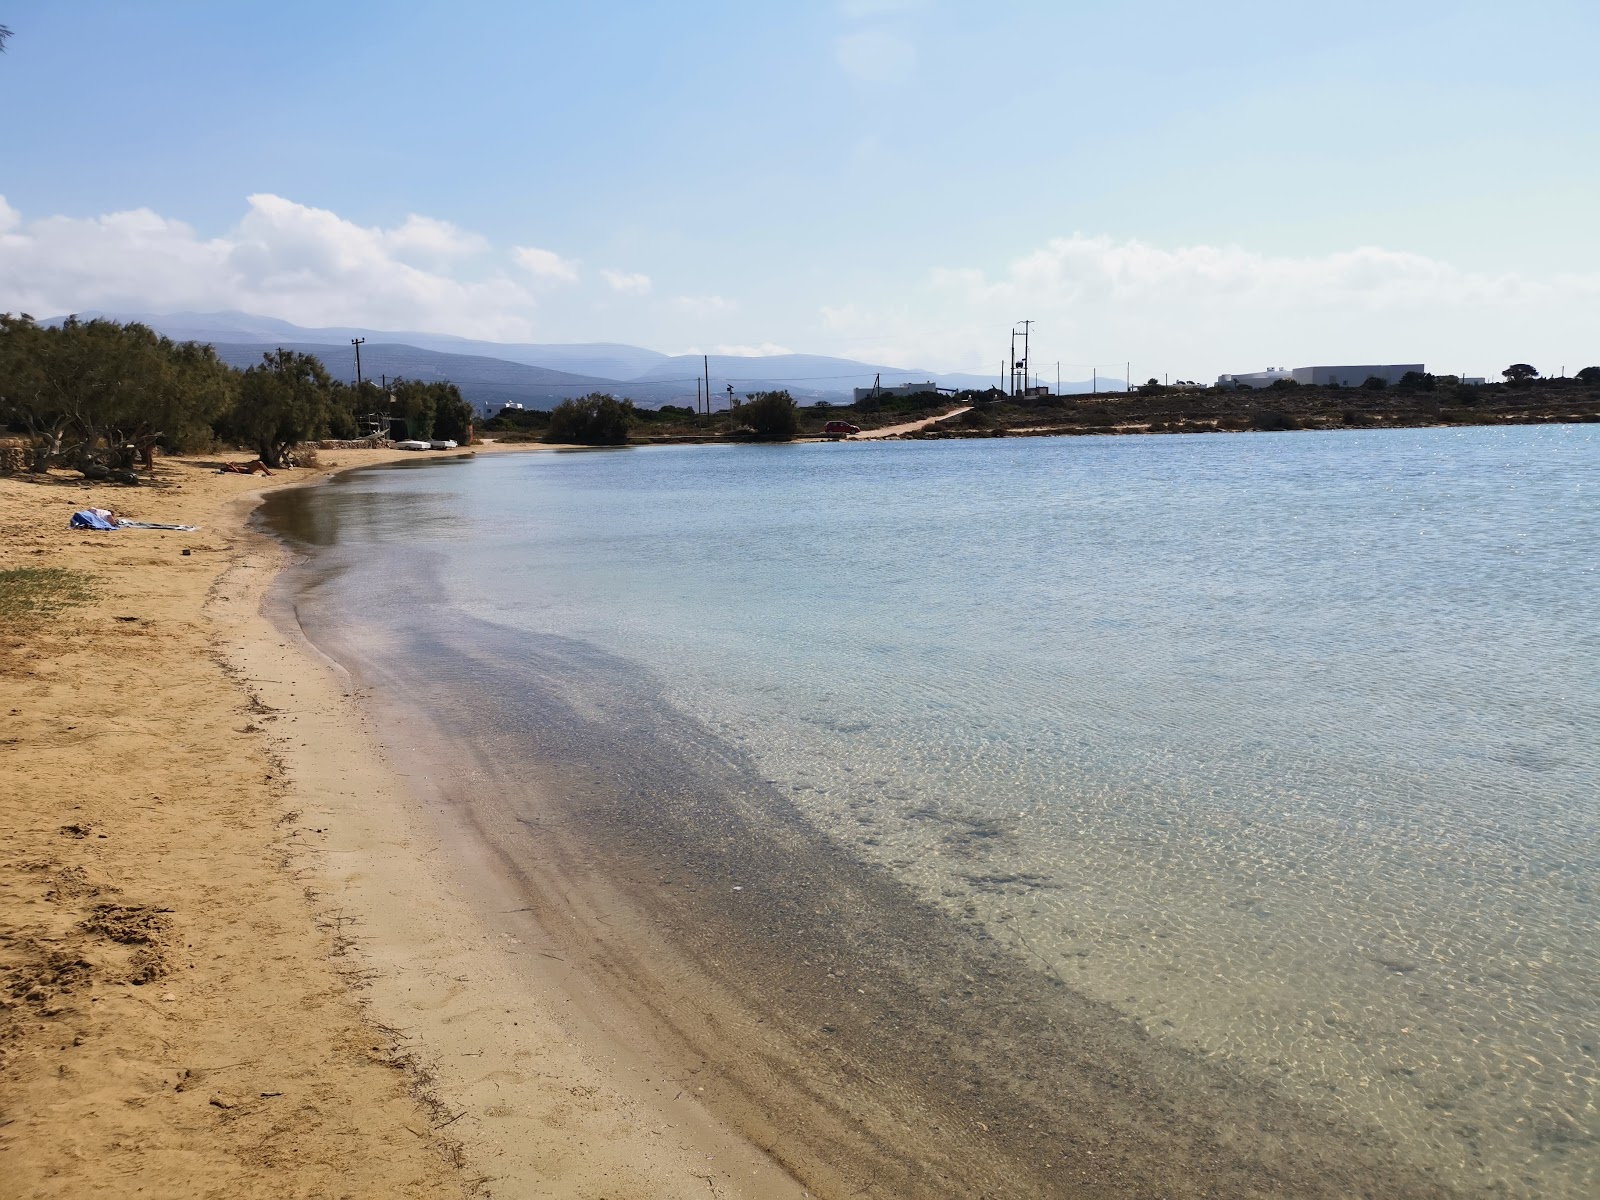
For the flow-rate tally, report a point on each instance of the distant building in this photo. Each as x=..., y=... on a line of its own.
x=899, y=389
x=1256, y=379
x=1353, y=376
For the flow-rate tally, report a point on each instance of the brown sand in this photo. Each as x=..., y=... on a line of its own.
x=232, y=960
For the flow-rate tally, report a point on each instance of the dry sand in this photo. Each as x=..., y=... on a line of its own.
x=236, y=957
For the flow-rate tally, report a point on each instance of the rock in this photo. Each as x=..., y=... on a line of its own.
x=218, y=1100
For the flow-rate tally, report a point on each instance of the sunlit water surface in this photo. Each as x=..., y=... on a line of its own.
x=1284, y=744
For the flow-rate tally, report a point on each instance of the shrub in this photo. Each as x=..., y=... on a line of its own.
x=1374, y=383
x=1418, y=380
x=773, y=416
x=593, y=420
x=1284, y=385
x=1588, y=375
x=1272, y=421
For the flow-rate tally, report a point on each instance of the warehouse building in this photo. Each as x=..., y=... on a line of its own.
x=1353, y=376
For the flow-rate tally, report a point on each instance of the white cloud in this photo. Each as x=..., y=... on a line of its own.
x=283, y=259
x=875, y=56
x=433, y=241
x=1200, y=310
x=545, y=264
x=632, y=284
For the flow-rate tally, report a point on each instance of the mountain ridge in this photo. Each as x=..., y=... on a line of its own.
x=491, y=374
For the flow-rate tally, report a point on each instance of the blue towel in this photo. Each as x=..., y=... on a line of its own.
x=89, y=520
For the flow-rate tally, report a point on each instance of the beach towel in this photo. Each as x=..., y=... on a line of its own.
x=126, y=524
x=89, y=518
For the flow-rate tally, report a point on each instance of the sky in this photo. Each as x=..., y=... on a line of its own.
x=1187, y=188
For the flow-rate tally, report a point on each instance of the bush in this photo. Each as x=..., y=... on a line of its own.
x=1589, y=375
x=1272, y=421
x=1418, y=380
x=773, y=416
x=1284, y=385
x=593, y=420
x=1374, y=383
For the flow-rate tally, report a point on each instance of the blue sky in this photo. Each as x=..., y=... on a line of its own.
x=1198, y=188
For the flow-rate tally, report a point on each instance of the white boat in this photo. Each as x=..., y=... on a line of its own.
x=413, y=444
x=442, y=444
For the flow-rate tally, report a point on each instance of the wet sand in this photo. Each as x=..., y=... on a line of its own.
x=869, y=1044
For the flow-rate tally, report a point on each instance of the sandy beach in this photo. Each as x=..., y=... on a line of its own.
x=235, y=959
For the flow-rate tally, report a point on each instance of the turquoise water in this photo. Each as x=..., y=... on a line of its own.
x=1283, y=743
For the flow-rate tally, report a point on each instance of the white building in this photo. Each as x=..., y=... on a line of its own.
x=1255, y=379
x=900, y=389
x=1353, y=376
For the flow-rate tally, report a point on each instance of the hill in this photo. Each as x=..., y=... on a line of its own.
x=492, y=374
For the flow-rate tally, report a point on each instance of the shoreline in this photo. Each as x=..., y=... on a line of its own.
x=448, y=955
x=901, y=1089
x=430, y=933
x=257, y=1048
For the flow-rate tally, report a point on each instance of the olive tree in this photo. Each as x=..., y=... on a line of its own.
x=283, y=400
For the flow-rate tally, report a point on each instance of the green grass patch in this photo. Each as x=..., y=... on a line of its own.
x=32, y=594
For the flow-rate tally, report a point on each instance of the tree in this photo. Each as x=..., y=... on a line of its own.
x=1589, y=375
x=597, y=419
x=29, y=400
x=1374, y=383
x=773, y=415
x=1419, y=381
x=4, y=35
x=1519, y=373
x=96, y=393
x=283, y=400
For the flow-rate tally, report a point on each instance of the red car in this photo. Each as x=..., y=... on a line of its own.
x=840, y=428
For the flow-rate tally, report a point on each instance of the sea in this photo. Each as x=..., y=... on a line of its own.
x=1283, y=747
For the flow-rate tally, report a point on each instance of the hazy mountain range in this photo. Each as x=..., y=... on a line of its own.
x=492, y=374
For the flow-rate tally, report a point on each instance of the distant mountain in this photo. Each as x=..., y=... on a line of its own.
x=605, y=360
x=489, y=383
x=491, y=374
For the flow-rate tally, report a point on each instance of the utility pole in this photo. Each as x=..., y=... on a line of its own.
x=697, y=408
x=356, y=342
x=1012, y=388
x=1058, y=379
x=705, y=361
x=1127, y=376
x=1096, y=380
x=1026, y=367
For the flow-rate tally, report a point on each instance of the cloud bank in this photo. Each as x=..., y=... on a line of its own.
x=283, y=259
x=1191, y=311
x=1198, y=310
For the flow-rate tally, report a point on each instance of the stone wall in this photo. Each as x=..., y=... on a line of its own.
x=371, y=443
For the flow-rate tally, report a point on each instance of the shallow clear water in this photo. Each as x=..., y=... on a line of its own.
x=1284, y=744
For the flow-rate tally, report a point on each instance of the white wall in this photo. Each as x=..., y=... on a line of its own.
x=1353, y=376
